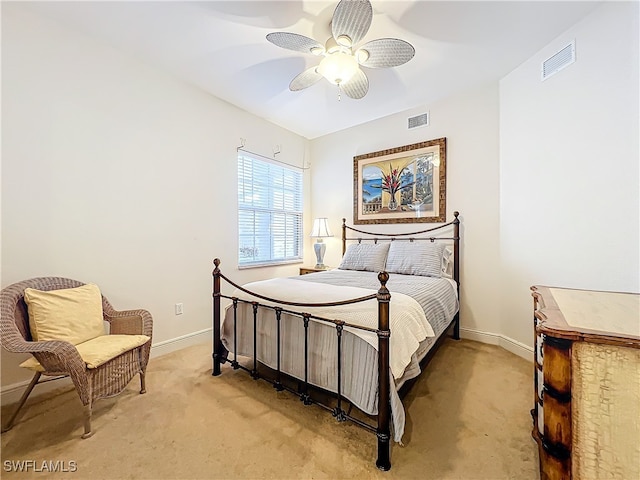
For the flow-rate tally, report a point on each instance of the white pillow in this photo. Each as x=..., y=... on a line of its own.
x=447, y=263
x=370, y=257
x=422, y=257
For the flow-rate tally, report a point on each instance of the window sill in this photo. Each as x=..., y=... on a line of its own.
x=269, y=264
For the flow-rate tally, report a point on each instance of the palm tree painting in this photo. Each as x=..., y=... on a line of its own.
x=406, y=185
x=392, y=179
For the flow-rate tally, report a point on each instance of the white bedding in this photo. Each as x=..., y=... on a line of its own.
x=407, y=320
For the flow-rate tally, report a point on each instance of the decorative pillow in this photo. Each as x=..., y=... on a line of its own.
x=370, y=257
x=70, y=314
x=416, y=258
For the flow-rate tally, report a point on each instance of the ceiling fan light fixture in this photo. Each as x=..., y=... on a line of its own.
x=341, y=60
x=338, y=67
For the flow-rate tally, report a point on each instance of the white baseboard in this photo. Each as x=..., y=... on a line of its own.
x=12, y=393
x=507, y=343
x=178, y=343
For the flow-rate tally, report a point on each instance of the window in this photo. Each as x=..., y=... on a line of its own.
x=269, y=212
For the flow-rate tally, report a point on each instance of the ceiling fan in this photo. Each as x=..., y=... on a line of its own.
x=341, y=60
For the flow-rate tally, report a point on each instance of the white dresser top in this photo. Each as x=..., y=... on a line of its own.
x=618, y=313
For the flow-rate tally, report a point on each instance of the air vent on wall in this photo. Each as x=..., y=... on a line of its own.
x=421, y=120
x=562, y=59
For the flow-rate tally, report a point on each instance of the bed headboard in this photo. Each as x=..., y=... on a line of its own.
x=447, y=232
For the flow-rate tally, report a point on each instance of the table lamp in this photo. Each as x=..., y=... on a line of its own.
x=320, y=230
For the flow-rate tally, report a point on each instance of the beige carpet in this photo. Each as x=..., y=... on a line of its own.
x=467, y=418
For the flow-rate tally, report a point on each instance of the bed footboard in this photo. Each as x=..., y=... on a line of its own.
x=217, y=342
x=384, y=399
x=383, y=297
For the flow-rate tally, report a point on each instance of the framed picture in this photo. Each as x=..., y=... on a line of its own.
x=401, y=185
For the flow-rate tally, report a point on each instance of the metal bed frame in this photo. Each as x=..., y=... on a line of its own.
x=383, y=297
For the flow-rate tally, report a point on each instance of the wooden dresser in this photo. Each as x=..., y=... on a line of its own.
x=586, y=415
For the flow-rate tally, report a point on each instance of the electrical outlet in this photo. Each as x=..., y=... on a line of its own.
x=178, y=307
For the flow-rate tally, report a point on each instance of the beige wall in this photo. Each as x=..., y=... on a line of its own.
x=569, y=167
x=470, y=124
x=116, y=173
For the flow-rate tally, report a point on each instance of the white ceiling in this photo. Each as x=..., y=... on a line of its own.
x=221, y=48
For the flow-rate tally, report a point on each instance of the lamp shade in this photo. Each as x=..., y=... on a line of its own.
x=321, y=228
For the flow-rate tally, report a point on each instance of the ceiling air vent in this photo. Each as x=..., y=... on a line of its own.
x=563, y=58
x=421, y=120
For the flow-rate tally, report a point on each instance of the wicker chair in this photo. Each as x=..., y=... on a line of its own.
x=61, y=359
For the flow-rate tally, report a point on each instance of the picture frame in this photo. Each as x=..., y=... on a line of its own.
x=401, y=185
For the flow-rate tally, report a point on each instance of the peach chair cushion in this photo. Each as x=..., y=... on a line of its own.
x=99, y=350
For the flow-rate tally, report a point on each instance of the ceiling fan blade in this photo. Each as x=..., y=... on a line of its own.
x=293, y=41
x=305, y=79
x=385, y=52
x=352, y=19
x=357, y=86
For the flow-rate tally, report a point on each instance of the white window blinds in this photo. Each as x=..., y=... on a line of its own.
x=269, y=211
